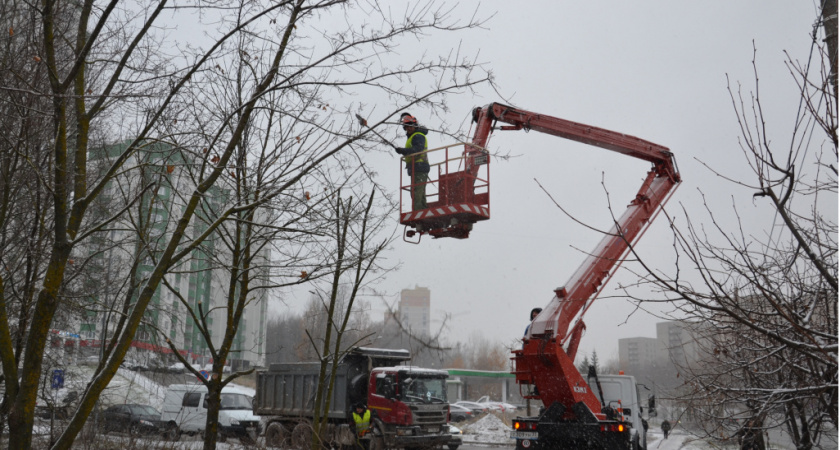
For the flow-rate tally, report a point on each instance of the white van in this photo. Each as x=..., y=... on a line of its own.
x=622, y=390
x=184, y=410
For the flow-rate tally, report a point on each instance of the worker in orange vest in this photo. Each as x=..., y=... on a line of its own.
x=417, y=165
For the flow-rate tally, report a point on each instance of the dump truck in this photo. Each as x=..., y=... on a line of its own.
x=408, y=404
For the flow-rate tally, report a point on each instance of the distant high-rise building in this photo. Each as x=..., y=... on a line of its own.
x=638, y=353
x=414, y=310
x=660, y=359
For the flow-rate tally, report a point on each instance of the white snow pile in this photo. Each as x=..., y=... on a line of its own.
x=127, y=380
x=489, y=429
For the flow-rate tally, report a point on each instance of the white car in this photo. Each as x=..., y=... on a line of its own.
x=493, y=406
x=496, y=406
x=508, y=407
x=177, y=367
x=477, y=408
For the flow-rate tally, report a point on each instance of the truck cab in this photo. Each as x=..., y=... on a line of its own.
x=624, y=429
x=621, y=392
x=410, y=405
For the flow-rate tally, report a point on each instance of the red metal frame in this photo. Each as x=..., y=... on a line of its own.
x=547, y=357
x=456, y=197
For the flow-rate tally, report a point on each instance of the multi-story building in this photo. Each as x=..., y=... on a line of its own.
x=199, y=282
x=660, y=360
x=637, y=354
x=414, y=310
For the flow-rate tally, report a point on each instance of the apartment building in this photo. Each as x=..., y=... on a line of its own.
x=198, y=283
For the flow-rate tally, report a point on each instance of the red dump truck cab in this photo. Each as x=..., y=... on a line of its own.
x=409, y=405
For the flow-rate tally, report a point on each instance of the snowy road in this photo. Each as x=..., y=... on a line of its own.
x=491, y=432
x=655, y=442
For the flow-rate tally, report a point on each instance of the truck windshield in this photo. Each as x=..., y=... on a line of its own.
x=236, y=401
x=427, y=390
x=614, y=393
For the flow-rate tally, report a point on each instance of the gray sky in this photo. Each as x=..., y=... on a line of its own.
x=653, y=69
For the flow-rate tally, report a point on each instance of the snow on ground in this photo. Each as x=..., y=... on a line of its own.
x=137, y=388
x=489, y=430
x=682, y=440
x=126, y=387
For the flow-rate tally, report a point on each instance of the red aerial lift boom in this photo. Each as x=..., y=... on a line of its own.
x=546, y=360
x=463, y=196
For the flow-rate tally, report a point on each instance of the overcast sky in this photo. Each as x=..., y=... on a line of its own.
x=653, y=69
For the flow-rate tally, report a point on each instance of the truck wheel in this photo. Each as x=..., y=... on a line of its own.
x=377, y=443
x=452, y=447
x=277, y=436
x=302, y=435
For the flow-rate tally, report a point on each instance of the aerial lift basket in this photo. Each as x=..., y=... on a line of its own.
x=457, y=193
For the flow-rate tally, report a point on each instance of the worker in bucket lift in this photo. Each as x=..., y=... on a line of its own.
x=416, y=165
x=361, y=423
x=534, y=313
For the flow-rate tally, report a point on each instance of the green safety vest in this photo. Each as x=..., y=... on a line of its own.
x=418, y=158
x=362, y=422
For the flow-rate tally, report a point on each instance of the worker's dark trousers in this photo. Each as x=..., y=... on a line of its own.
x=418, y=192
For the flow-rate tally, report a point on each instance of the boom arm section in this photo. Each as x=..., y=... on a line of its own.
x=520, y=119
x=547, y=357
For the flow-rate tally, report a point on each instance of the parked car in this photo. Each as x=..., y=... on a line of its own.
x=476, y=408
x=130, y=364
x=59, y=406
x=177, y=368
x=455, y=440
x=496, y=406
x=131, y=418
x=509, y=407
x=458, y=413
x=501, y=407
x=493, y=406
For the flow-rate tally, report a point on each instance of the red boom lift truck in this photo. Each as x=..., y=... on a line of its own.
x=596, y=412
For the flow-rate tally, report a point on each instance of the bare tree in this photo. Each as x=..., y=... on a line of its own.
x=354, y=260
x=764, y=312
x=81, y=76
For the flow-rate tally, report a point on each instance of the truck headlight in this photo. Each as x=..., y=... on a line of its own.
x=234, y=423
x=404, y=431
